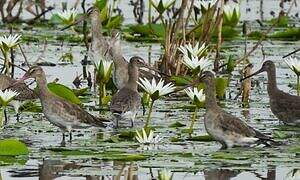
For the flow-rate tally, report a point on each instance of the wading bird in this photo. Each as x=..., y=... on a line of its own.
x=25, y=94
x=126, y=102
x=285, y=107
x=58, y=111
x=225, y=128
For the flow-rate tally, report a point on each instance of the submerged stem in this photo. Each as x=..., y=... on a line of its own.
x=149, y=114
x=191, y=130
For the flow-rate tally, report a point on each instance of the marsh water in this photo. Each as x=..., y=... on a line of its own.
x=97, y=155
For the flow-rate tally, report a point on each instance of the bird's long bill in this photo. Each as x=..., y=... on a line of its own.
x=256, y=73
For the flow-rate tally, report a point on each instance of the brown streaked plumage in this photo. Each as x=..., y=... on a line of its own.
x=25, y=94
x=120, y=75
x=227, y=129
x=58, y=111
x=99, y=45
x=285, y=107
x=126, y=102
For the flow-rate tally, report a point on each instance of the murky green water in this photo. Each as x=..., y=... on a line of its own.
x=94, y=155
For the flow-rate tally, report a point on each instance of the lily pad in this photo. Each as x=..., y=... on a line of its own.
x=12, y=147
x=64, y=92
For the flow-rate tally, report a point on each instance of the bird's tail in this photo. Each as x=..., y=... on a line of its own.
x=102, y=122
x=269, y=142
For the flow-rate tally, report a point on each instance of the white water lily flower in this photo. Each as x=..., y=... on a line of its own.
x=147, y=139
x=204, y=3
x=68, y=16
x=232, y=10
x=294, y=65
x=156, y=90
x=195, y=94
x=161, y=5
x=104, y=69
x=165, y=174
x=190, y=50
x=9, y=41
x=7, y=95
x=194, y=62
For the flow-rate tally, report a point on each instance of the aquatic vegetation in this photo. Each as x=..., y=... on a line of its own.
x=179, y=40
x=232, y=14
x=6, y=97
x=7, y=43
x=294, y=65
x=204, y=4
x=155, y=90
x=103, y=72
x=12, y=147
x=144, y=138
x=165, y=174
x=198, y=98
x=193, y=51
x=68, y=16
x=196, y=64
x=63, y=92
x=161, y=5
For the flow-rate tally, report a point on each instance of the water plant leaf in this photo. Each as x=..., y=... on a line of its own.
x=80, y=92
x=177, y=124
x=148, y=30
x=287, y=34
x=181, y=80
x=204, y=138
x=12, y=147
x=221, y=86
x=114, y=22
x=101, y=4
x=63, y=92
x=31, y=107
x=228, y=156
x=11, y=160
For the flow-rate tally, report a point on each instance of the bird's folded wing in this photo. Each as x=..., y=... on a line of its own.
x=233, y=124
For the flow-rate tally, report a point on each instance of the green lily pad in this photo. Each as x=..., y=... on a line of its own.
x=204, y=138
x=63, y=92
x=177, y=124
x=12, y=147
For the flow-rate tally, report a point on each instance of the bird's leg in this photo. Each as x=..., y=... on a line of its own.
x=18, y=117
x=144, y=109
x=70, y=136
x=63, y=142
x=5, y=117
x=117, y=119
x=224, y=146
x=131, y=122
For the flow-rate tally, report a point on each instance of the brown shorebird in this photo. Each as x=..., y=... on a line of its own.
x=99, y=45
x=25, y=94
x=225, y=128
x=120, y=75
x=59, y=111
x=126, y=102
x=286, y=107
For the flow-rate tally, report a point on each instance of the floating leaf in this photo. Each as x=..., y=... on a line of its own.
x=177, y=124
x=12, y=147
x=181, y=80
x=204, y=138
x=63, y=92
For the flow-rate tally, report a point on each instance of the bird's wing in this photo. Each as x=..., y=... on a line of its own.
x=287, y=103
x=125, y=100
x=75, y=112
x=231, y=123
